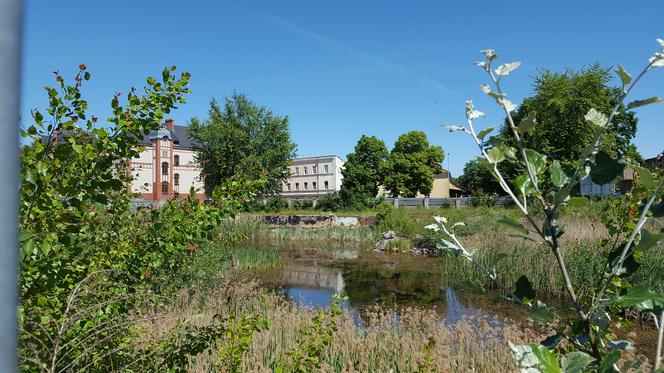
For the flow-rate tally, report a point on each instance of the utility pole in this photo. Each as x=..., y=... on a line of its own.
x=11, y=18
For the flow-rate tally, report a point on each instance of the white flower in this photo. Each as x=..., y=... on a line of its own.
x=433, y=227
x=440, y=219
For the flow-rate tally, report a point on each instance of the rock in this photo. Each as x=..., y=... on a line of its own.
x=387, y=237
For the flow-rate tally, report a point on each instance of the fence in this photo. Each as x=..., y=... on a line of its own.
x=428, y=203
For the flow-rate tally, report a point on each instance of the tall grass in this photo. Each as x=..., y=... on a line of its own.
x=384, y=343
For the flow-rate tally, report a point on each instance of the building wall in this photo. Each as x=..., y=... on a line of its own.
x=146, y=170
x=308, y=177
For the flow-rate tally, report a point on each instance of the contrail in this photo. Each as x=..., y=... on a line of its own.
x=354, y=51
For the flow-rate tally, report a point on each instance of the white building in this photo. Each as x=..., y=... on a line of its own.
x=166, y=168
x=313, y=177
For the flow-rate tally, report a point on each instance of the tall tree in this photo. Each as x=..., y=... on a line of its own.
x=361, y=173
x=243, y=139
x=478, y=178
x=412, y=164
x=560, y=101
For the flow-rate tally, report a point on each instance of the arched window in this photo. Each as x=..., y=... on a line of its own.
x=176, y=179
x=164, y=168
x=176, y=160
x=164, y=187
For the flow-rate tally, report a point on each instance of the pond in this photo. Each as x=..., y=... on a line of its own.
x=311, y=275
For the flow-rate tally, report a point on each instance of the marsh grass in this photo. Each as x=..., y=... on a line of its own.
x=384, y=343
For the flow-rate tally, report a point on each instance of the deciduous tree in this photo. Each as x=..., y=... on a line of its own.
x=412, y=164
x=242, y=138
x=361, y=173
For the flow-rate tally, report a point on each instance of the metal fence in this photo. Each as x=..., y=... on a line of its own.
x=428, y=203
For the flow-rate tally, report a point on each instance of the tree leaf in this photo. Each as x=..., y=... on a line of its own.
x=512, y=223
x=484, y=132
x=527, y=123
x=536, y=160
x=624, y=75
x=639, y=297
x=608, y=361
x=648, y=101
x=496, y=154
x=605, y=170
x=595, y=117
x=547, y=359
x=524, y=289
x=453, y=128
x=577, y=201
x=576, y=362
x=541, y=315
x=648, y=240
x=523, y=354
x=646, y=177
x=524, y=185
x=558, y=176
x=506, y=69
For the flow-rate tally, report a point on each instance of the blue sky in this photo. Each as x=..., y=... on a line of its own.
x=340, y=69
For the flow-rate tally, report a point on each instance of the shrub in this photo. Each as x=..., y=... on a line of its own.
x=482, y=200
x=275, y=204
x=330, y=202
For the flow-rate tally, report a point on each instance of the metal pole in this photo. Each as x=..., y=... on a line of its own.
x=11, y=17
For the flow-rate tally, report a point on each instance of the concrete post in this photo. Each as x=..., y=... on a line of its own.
x=426, y=203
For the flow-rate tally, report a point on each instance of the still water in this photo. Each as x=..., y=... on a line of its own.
x=311, y=275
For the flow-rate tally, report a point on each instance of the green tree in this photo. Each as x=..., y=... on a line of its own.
x=560, y=101
x=361, y=173
x=412, y=164
x=478, y=178
x=243, y=139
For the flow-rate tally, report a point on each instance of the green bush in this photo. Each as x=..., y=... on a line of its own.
x=389, y=218
x=275, y=204
x=482, y=199
x=330, y=202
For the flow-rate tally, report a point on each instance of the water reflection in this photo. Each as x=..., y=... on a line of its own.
x=311, y=276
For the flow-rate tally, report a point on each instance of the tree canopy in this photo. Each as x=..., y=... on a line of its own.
x=560, y=101
x=412, y=164
x=361, y=173
x=478, y=178
x=243, y=139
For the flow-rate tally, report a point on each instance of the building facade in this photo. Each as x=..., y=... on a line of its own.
x=166, y=168
x=313, y=177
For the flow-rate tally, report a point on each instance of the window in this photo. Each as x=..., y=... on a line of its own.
x=164, y=187
x=288, y=186
x=164, y=153
x=305, y=170
x=326, y=170
x=297, y=186
x=176, y=179
x=176, y=160
x=306, y=186
x=327, y=185
x=297, y=170
x=164, y=168
x=314, y=169
x=313, y=185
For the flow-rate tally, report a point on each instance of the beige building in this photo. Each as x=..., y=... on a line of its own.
x=443, y=187
x=313, y=177
x=166, y=168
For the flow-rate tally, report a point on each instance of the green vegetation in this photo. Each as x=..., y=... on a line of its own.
x=597, y=282
x=362, y=172
x=478, y=179
x=243, y=139
x=411, y=165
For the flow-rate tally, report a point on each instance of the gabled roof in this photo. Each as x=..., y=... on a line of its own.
x=178, y=135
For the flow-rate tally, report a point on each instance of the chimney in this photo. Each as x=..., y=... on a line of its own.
x=170, y=125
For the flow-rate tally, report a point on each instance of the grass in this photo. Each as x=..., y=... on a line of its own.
x=385, y=343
